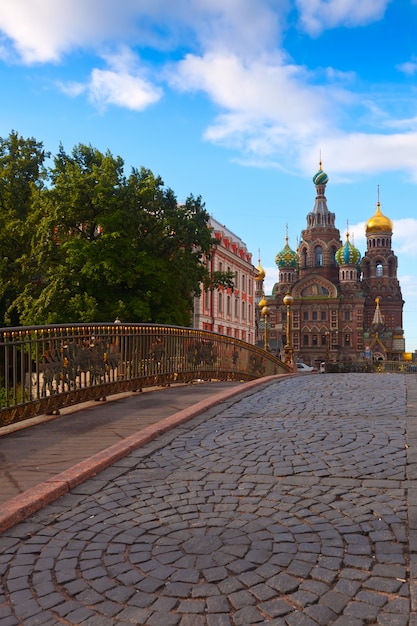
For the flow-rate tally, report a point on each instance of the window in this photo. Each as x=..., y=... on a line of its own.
x=318, y=256
x=305, y=316
x=314, y=315
x=236, y=279
x=314, y=340
x=347, y=316
x=220, y=303
x=305, y=340
x=243, y=311
x=323, y=340
x=304, y=255
x=236, y=307
x=379, y=269
x=347, y=340
x=228, y=311
x=323, y=316
x=243, y=282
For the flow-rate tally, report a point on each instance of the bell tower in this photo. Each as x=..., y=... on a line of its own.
x=379, y=277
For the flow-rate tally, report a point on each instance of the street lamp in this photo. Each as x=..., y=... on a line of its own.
x=327, y=346
x=288, y=300
x=265, y=312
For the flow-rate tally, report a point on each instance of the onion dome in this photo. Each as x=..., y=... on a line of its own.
x=287, y=257
x=378, y=223
x=261, y=272
x=320, y=178
x=348, y=254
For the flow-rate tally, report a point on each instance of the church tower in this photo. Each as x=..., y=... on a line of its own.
x=381, y=286
x=321, y=239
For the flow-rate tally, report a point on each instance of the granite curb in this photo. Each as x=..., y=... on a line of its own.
x=22, y=506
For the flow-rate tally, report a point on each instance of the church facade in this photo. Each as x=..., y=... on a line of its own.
x=343, y=306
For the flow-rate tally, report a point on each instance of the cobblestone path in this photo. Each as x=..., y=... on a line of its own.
x=286, y=507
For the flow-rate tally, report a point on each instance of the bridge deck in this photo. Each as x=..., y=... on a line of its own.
x=294, y=501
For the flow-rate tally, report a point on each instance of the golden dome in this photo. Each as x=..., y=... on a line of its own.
x=378, y=223
x=261, y=272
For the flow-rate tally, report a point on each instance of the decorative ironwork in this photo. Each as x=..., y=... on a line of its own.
x=45, y=368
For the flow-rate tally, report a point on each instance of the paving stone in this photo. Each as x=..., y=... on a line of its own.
x=248, y=523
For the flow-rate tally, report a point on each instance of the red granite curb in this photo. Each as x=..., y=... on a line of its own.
x=25, y=504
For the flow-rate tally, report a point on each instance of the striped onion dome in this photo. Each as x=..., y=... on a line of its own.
x=348, y=254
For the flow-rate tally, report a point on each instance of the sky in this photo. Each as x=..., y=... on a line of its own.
x=235, y=101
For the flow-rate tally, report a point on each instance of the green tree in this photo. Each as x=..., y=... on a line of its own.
x=107, y=246
x=22, y=175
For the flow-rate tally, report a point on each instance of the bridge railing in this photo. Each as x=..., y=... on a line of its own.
x=45, y=368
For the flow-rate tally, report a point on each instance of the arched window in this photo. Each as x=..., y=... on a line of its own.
x=318, y=255
x=379, y=270
x=304, y=257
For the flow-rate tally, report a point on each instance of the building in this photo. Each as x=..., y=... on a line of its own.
x=342, y=306
x=222, y=310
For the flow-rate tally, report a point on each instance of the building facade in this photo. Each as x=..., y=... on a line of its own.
x=225, y=311
x=343, y=307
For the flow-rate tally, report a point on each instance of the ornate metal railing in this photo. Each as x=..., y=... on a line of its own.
x=45, y=368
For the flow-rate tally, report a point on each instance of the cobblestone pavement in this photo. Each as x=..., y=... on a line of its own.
x=291, y=505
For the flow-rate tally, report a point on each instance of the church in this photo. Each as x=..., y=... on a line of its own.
x=331, y=303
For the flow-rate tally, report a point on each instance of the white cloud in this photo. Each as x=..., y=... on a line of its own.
x=121, y=89
x=268, y=105
x=319, y=15
x=124, y=84
x=44, y=30
x=409, y=67
x=365, y=153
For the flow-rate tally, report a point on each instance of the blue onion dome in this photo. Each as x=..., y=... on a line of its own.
x=287, y=257
x=320, y=178
x=348, y=254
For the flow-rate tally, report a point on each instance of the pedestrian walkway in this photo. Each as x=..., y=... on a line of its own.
x=34, y=451
x=292, y=503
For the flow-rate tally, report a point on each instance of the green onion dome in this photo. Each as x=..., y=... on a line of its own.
x=348, y=254
x=320, y=178
x=287, y=257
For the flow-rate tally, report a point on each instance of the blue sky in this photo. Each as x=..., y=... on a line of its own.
x=234, y=101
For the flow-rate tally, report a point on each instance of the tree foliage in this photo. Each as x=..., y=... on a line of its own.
x=94, y=243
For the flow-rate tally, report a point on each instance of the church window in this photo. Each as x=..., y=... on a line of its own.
x=347, y=340
x=314, y=315
x=314, y=340
x=304, y=257
x=323, y=340
x=347, y=316
x=323, y=316
x=379, y=269
x=318, y=256
x=305, y=316
x=305, y=340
